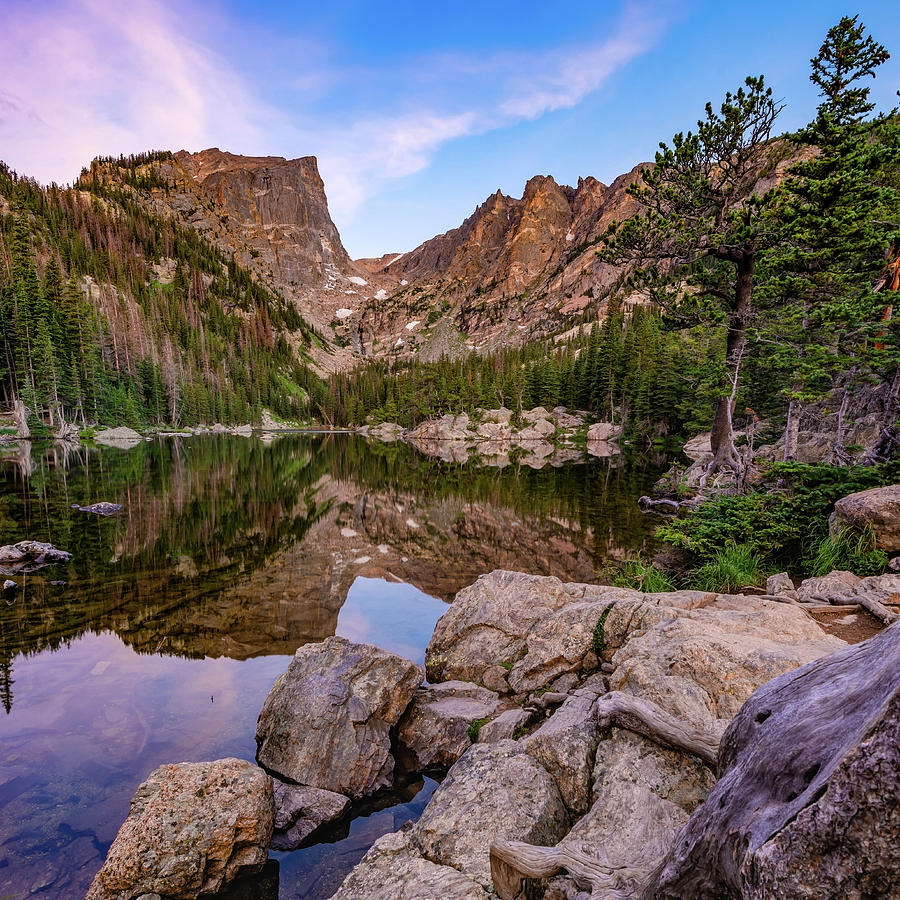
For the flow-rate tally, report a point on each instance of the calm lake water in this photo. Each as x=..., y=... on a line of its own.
x=160, y=640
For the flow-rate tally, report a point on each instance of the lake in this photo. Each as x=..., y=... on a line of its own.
x=159, y=641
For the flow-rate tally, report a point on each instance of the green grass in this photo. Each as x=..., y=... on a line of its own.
x=598, y=642
x=850, y=550
x=643, y=576
x=474, y=728
x=731, y=569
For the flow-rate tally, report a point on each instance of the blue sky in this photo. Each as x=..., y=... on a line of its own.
x=416, y=111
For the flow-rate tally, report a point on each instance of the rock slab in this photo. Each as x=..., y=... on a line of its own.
x=326, y=722
x=878, y=508
x=299, y=811
x=192, y=829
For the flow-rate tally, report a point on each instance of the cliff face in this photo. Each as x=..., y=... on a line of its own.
x=515, y=270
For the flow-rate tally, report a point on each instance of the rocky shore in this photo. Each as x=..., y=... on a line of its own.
x=585, y=731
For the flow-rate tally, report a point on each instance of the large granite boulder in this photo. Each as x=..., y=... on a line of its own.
x=489, y=622
x=808, y=801
x=435, y=729
x=447, y=428
x=603, y=432
x=123, y=438
x=539, y=430
x=392, y=870
x=192, y=829
x=300, y=811
x=494, y=790
x=327, y=720
x=878, y=509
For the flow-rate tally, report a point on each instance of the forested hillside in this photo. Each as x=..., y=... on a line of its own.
x=112, y=314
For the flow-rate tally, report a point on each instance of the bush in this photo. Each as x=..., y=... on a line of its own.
x=729, y=570
x=849, y=549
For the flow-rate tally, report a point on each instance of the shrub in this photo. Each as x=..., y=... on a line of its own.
x=474, y=728
x=849, y=549
x=731, y=569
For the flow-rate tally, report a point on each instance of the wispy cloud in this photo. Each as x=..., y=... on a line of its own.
x=89, y=77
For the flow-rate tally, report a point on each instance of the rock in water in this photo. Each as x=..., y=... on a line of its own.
x=193, y=828
x=123, y=438
x=808, y=801
x=435, y=728
x=100, y=509
x=327, y=720
x=26, y=556
x=299, y=811
x=878, y=508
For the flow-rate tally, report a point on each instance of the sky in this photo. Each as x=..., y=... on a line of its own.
x=416, y=111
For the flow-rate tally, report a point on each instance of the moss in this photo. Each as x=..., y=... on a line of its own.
x=474, y=728
x=507, y=664
x=597, y=643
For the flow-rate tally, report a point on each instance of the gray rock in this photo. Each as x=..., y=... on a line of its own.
x=434, y=730
x=835, y=587
x=494, y=679
x=27, y=556
x=493, y=791
x=781, y=585
x=327, y=720
x=100, y=509
x=123, y=438
x=566, y=744
x=494, y=432
x=192, y=829
x=603, y=432
x=504, y=727
x=538, y=414
x=878, y=509
x=392, y=870
x=540, y=430
x=299, y=811
x=9, y=586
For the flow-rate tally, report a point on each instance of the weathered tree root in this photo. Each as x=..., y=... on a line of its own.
x=651, y=721
x=514, y=863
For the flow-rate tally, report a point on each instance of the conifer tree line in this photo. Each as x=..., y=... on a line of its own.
x=766, y=264
x=212, y=344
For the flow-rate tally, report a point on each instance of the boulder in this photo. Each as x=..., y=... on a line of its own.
x=835, y=587
x=299, y=811
x=327, y=720
x=494, y=790
x=603, y=449
x=494, y=432
x=100, y=509
x=808, y=802
x=878, y=509
x=123, y=438
x=496, y=415
x=566, y=744
x=539, y=431
x=488, y=622
x=27, y=556
x=494, y=679
x=192, y=829
x=434, y=730
x=537, y=414
x=386, y=431
x=9, y=586
x=781, y=585
x=699, y=447
x=392, y=870
x=447, y=428
x=565, y=420
x=603, y=432
x=505, y=726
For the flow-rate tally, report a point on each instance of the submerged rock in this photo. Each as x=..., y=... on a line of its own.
x=26, y=556
x=192, y=829
x=299, y=811
x=327, y=720
x=100, y=509
x=435, y=729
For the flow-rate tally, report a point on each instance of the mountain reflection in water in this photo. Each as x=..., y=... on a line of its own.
x=176, y=616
